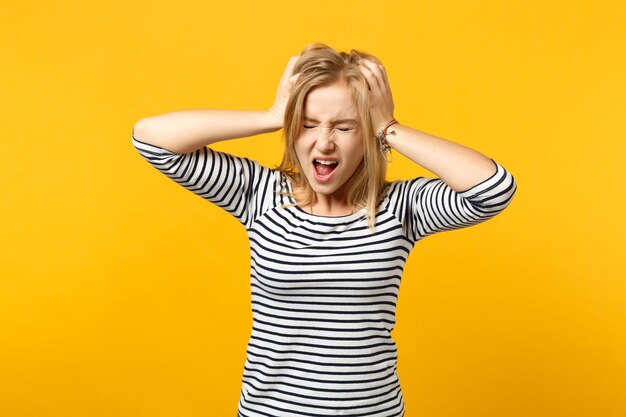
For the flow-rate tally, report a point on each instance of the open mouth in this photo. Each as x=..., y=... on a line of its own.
x=324, y=168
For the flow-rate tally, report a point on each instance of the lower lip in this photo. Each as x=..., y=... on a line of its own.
x=324, y=179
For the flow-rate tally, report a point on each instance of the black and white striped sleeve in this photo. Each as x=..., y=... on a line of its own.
x=241, y=186
x=428, y=205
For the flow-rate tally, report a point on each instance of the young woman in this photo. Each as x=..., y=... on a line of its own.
x=329, y=237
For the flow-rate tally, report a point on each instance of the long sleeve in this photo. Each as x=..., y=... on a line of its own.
x=241, y=186
x=428, y=205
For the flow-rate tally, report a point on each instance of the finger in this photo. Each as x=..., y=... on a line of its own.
x=383, y=83
x=371, y=78
x=294, y=78
x=377, y=70
x=365, y=75
x=386, y=86
x=384, y=73
x=292, y=61
x=289, y=69
x=373, y=68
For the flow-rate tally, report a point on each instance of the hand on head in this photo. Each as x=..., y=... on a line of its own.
x=285, y=85
x=381, y=100
x=380, y=97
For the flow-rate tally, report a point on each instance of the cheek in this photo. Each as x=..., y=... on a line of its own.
x=303, y=145
x=357, y=147
x=302, y=155
x=358, y=156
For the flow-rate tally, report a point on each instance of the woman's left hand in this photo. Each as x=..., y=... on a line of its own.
x=381, y=101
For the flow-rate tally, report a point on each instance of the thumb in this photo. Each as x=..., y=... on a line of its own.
x=292, y=81
x=294, y=78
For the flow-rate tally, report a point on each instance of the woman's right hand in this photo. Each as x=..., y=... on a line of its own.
x=284, y=89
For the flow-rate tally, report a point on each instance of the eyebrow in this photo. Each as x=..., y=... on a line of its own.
x=311, y=119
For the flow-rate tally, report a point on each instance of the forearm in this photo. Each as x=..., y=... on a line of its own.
x=458, y=166
x=187, y=130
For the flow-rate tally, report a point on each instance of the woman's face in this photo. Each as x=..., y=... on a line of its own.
x=332, y=134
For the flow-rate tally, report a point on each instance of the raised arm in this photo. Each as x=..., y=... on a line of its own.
x=458, y=166
x=184, y=131
x=471, y=187
x=175, y=144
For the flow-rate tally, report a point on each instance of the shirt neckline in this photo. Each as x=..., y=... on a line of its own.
x=344, y=217
x=328, y=219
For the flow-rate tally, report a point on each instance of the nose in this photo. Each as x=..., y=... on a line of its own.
x=324, y=142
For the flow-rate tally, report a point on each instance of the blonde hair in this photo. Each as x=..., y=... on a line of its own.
x=321, y=65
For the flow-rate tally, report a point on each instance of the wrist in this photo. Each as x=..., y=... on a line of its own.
x=275, y=120
x=382, y=124
x=383, y=133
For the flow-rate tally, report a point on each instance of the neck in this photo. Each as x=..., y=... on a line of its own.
x=330, y=211
x=326, y=205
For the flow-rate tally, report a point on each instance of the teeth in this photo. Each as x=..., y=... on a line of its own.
x=325, y=162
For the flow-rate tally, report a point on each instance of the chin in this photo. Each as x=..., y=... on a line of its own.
x=322, y=189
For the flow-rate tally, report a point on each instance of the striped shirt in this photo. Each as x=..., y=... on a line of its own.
x=324, y=289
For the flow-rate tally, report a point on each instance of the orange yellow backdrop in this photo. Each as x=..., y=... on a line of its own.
x=123, y=294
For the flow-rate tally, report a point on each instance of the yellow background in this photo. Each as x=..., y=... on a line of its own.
x=123, y=294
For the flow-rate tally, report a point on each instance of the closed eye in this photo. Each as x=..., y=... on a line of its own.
x=342, y=129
